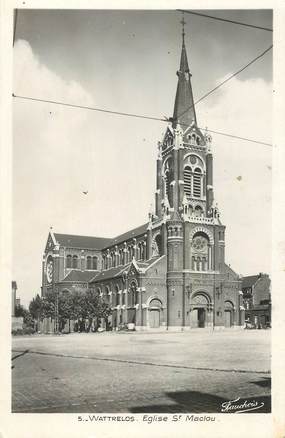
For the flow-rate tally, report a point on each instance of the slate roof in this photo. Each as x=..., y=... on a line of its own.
x=249, y=281
x=78, y=276
x=89, y=242
x=84, y=242
x=142, y=229
x=109, y=273
x=146, y=263
x=184, y=108
x=118, y=271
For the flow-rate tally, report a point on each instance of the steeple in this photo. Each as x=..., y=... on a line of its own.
x=184, y=110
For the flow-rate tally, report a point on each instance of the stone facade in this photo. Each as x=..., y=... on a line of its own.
x=169, y=273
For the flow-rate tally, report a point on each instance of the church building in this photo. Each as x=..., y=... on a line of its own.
x=169, y=273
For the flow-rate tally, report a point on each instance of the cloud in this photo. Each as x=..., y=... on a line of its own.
x=241, y=178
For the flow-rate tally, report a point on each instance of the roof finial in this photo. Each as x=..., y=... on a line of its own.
x=183, y=22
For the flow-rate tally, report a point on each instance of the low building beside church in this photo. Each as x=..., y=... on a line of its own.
x=257, y=300
x=17, y=321
x=169, y=273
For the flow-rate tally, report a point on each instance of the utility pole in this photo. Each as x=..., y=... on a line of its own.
x=56, y=310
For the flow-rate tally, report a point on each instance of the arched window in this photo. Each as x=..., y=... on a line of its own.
x=197, y=183
x=198, y=211
x=95, y=263
x=69, y=261
x=121, y=257
x=117, y=296
x=88, y=262
x=188, y=181
x=167, y=184
x=200, y=252
x=75, y=262
x=132, y=252
x=129, y=258
x=204, y=264
x=107, y=295
x=114, y=298
x=140, y=251
x=132, y=295
x=198, y=264
x=156, y=246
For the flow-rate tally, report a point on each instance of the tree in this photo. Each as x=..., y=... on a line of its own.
x=36, y=308
x=78, y=305
x=104, y=311
x=92, y=305
x=20, y=311
x=65, y=309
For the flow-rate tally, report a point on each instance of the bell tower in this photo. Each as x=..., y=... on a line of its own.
x=184, y=199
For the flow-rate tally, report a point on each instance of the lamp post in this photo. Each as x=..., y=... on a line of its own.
x=125, y=278
x=56, y=310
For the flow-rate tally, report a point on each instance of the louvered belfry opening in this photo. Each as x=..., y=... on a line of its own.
x=188, y=182
x=197, y=183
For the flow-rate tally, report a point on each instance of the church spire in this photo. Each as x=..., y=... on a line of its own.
x=184, y=110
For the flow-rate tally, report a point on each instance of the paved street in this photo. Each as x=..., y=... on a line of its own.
x=140, y=372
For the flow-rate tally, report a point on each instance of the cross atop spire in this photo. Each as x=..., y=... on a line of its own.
x=183, y=22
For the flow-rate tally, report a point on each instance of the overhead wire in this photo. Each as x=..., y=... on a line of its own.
x=225, y=20
x=125, y=114
x=165, y=120
x=227, y=79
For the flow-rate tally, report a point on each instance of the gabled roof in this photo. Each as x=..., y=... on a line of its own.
x=78, y=276
x=109, y=273
x=89, y=242
x=142, y=229
x=147, y=263
x=229, y=270
x=84, y=242
x=249, y=281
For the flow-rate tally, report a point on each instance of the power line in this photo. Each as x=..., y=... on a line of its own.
x=118, y=113
x=226, y=20
x=165, y=120
x=236, y=136
x=226, y=80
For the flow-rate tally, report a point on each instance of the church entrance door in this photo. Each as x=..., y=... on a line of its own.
x=200, y=310
x=228, y=318
x=201, y=317
x=154, y=318
x=198, y=317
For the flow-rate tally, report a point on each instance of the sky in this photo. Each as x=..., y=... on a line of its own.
x=127, y=61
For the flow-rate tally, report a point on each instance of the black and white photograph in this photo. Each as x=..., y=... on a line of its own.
x=141, y=168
